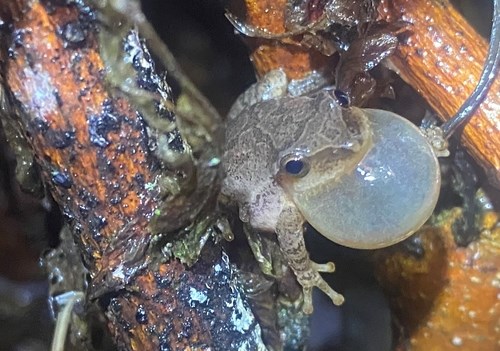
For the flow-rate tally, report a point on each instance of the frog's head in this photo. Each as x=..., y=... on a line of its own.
x=333, y=142
x=366, y=192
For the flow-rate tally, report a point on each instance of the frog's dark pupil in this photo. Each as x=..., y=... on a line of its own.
x=342, y=98
x=294, y=166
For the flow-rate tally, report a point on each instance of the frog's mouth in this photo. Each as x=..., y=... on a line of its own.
x=390, y=193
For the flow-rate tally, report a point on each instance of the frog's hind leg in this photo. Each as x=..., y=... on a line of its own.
x=290, y=235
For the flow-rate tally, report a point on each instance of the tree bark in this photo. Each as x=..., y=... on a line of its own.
x=91, y=145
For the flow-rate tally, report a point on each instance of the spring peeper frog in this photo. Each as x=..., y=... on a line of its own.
x=279, y=146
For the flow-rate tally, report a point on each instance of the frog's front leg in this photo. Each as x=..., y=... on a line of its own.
x=290, y=233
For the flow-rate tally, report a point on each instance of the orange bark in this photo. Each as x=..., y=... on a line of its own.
x=91, y=146
x=448, y=298
x=60, y=91
x=298, y=61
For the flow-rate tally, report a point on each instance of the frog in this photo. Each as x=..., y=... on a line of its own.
x=278, y=146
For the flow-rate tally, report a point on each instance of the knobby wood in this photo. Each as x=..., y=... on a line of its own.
x=65, y=105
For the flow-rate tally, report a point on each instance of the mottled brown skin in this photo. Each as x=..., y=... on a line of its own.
x=261, y=137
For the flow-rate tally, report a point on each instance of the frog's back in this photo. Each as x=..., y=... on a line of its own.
x=261, y=133
x=303, y=122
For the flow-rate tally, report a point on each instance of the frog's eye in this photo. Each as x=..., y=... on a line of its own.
x=342, y=98
x=295, y=165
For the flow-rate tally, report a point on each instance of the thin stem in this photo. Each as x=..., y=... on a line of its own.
x=63, y=321
x=487, y=78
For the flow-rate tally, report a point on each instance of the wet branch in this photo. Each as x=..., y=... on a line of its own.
x=91, y=146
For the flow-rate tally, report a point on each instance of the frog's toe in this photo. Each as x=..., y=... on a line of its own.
x=328, y=267
x=321, y=284
x=336, y=298
x=307, y=305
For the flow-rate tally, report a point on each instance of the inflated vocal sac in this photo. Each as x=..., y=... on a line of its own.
x=387, y=197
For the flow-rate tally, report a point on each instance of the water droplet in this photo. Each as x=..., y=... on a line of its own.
x=73, y=33
x=62, y=179
x=141, y=315
x=214, y=162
